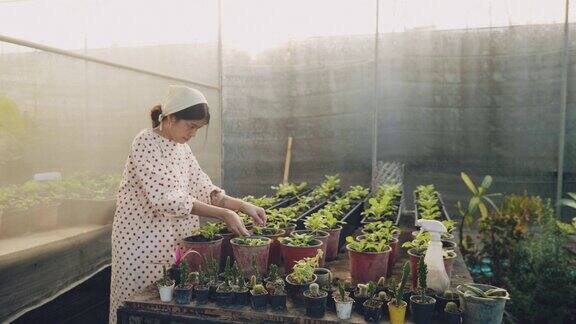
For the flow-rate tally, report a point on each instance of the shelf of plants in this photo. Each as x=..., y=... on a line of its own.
x=428, y=204
x=281, y=275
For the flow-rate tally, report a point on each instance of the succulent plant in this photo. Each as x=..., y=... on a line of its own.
x=382, y=296
x=451, y=307
x=449, y=294
x=258, y=289
x=362, y=290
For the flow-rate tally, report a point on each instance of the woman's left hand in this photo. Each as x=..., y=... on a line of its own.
x=257, y=213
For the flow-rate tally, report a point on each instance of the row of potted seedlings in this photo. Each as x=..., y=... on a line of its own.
x=39, y=206
x=428, y=204
x=385, y=205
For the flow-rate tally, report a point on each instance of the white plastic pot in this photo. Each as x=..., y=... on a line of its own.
x=166, y=293
x=343, y=309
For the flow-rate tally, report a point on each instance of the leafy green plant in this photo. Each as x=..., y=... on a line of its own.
x=184, y=275
x=480, y=198
x=250, y=241
x=209, y=230
x=263, y=201
x=381, y=225
x=289, y=189
x=357, y=193
x=315, y=222
x=365, y=245
x=298, y=239
x=380, y=208
x=303, y=270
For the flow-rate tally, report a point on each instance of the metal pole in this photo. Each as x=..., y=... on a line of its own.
x=563, y=92
x=220, y=81
x=375, y=109
x=87, y=58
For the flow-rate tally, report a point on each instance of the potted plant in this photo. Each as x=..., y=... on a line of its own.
x=206, y=241
x=324, y=277
x=357, y=193
x=372, y=308
x=301, y=277
x=278, y=294
x=326, y=221
x=315, y=301
x=225, y=290
x=247, y=249
x=211, y=270
x=200, y=284
x=368, y=260
x=273, y=275
x=274, y=234
x=361, y=294
x=321, y=236
x=397, y=306
x=452, y=314
x=482, y=303
x=183, y=289
x=259, y=294
x=444, y=298
x=296, y=247
x=343, y=303
x=165, y=286
x=175, y=271
x=422, y=306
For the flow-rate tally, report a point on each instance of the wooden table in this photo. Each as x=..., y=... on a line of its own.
x=146, y=307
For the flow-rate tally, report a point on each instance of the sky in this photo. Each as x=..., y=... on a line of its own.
x=252, y=25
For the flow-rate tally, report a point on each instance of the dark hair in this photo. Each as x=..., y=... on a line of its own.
x=196, y=112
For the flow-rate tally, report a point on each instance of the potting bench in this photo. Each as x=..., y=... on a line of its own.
x=146, y=307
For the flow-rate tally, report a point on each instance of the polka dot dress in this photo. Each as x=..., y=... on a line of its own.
x=161, y=181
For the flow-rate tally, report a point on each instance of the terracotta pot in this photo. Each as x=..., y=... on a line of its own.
x=367, y=266
x=322, y=236
x=332, y=246
x=274, y=256
x=291, y=254
x=206, y=249
x=244, y=255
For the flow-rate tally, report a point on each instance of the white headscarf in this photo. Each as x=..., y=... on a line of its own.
x=179, y=98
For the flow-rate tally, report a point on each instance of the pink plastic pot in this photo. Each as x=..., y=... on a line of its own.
x=274, y=257
x=291, y=254
x=244, y=255
x=206, y=249
x=367, y=266
x=392, y=257
x=322, y=237
x=332, y=246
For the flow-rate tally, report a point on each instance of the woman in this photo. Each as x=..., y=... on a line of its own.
x=162, y=193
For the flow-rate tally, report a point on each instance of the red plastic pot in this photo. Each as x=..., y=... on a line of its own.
x=322, y=237
x=274, y=256
x=392, y=257
x=205, y=248
x=332, y=246
x=244, y=255
x=227, y=248
x=367, y=266
x=291, y=254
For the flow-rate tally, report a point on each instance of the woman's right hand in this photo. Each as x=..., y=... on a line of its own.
x=235, y=223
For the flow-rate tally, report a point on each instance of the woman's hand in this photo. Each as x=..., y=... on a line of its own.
x=235, y=224
x=257, y=213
